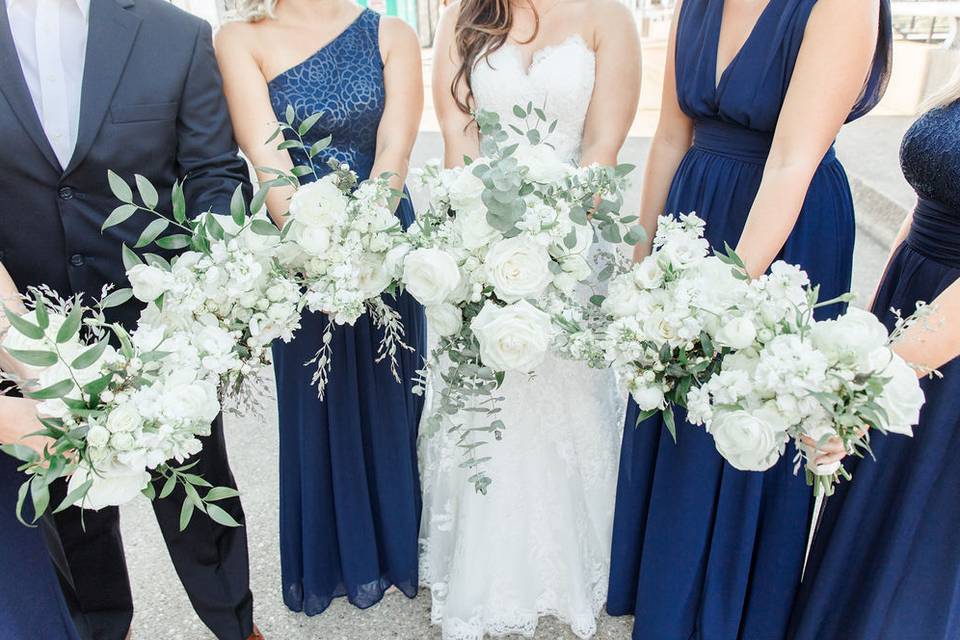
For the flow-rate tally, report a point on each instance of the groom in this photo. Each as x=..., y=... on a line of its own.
x=132, y=86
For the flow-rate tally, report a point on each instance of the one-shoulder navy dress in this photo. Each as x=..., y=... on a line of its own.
x=702, y=551
x=885, y=562
x=349, y=486
x=31, y=602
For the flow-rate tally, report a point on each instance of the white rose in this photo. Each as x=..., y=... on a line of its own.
x=319, y=203
x=444, y=319
x=902, y=396
x=430, y=275
x=373, y=277
x=313, y=239
x=123, y=418
x=543, y=163
x=648, y=274
x=113, y=484
x=518, y=268
x=395, y=257
x=148, y=282
x=583, y=234
x=97, y=436
x=647, y=397
x=683, y=251
x=193, y=402
x=737, y=333
x=475, y=231
x=577, y=266
x=466, y=191
x=512, y=338
x=746, y=441
x=851, y=338
x=624, y=299
x=148, y=337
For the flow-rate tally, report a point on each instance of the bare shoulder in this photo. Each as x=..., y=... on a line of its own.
x=836, y=9
x=448, y=19
x=610, y=14
x=236, y=37
x=395, y=33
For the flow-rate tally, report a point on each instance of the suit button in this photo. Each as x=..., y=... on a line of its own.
x=65, y=193
x=77, y=260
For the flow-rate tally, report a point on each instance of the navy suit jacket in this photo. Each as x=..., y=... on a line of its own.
x=152, y=104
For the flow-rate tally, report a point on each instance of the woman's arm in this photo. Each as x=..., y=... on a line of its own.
x=832, y=66
x=670, y=144
x=403, y=84
x=18, y=419
x=933, y=342
x=616, y=91
x=251, y=112
x=460, y=135
x=10, y=298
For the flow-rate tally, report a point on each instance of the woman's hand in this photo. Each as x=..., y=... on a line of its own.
x=18, y=419
x=828, y=452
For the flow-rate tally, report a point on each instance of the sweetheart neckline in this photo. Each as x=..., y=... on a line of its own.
x=544, y=53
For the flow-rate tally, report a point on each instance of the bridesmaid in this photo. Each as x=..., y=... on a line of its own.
x=886, y=558
x=754, y=95
x=32, y=602
x=349, y=488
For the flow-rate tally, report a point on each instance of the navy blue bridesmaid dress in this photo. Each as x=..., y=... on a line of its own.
x=31, y=602
x=885, y=563
x=349, y=486
x=702, y=551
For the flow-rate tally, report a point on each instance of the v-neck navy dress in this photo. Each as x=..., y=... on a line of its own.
x=700, y=550
x=349, y=483
x=885, y=562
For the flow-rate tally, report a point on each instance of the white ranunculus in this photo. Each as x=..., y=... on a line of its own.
x=746, y=440
x=544, y=165
x=373, y=277
x=518, y=268
x=319, y=203
x=194, y=402
x=395, y=257
x=737, y=333
x=851, y=338
x=113, y=484
x=313, y=239
x=648, y=397
x=444, y=319
x=902, y=396
x=430, y=275
x=584, y=240
x=683, y=251
x=512, y=338
x=475, y=231
x=123, y=418
x=148, y=337
x=148, y=282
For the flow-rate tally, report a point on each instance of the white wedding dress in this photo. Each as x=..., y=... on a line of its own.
x=539, y=542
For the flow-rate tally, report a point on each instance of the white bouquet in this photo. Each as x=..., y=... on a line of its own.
x=227, y=293
x=498, y=259
x=118, y=419
x=801, y=379
x=673, y=316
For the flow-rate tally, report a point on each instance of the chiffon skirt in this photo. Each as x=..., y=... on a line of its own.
x=701, y=550
x=349, y=487
x=885, y=563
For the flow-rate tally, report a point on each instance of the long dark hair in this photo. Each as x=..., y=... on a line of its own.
x=483, y=26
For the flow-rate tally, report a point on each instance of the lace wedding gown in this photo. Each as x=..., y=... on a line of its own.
x=539, y=542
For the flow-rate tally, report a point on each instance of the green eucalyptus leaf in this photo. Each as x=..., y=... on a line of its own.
x=68, y=330
x=221, y=517
x=130, y=259
x=264, y=228
x=307, y=124
x=290, y=114
x=259, y=198
x=116, y=298
x=74, y=496
x=90, y=356
x=20, y=452
x=27, y=328
x=53, y=392
x=179, y=202
x=168, y=487
x=150, y=492
x=186, y=513
x=174, y=242
x=238, y=207
x=220, y=493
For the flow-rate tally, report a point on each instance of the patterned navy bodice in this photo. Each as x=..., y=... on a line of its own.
x=344, y=81
x=930, y=156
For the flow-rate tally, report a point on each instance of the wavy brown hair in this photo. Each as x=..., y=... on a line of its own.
x=483, y=26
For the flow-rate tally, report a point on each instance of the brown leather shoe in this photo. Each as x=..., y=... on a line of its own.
x=256, y=635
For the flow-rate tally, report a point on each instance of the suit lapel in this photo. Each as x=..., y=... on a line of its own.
x=113, y=29
x=14, y=88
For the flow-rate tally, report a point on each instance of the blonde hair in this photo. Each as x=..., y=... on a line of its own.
x=947, y=94
x=252, y=10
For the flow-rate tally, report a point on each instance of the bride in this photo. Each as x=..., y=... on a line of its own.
x=538, y=542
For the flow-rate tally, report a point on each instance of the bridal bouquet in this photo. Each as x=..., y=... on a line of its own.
x=497, y=261
x=117, y=418
x=226, y=293
x=803, y=379
x=673, y=316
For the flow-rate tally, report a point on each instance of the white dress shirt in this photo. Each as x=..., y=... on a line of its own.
x=51, y=41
